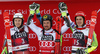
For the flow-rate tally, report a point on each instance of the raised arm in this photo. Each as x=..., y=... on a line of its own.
x=38, y=13
x=30, y=23
x=65, y=15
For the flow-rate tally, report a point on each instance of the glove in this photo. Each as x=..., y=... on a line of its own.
x=81, y=51
x=67, y=21
x=63, y=8
x=37, y=8
x=32, y=8
x=29, y=19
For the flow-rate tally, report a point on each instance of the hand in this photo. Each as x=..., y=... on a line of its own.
x=37, y=8
x=32, y=8
x=81, y=51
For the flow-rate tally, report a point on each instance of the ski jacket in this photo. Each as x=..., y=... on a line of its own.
x=46, y=41
x=19, y=38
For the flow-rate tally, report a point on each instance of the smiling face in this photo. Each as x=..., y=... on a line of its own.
x=18, y=22
x=79, y=21
x=46, y=25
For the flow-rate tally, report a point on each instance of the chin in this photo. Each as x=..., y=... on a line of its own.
x=46, y=28
x=17, y=26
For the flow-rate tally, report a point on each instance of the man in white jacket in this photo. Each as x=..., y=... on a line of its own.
x=46, y=36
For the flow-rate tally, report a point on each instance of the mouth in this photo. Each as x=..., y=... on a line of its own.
x=46, y=26
x=17, y=24
x=79, y=23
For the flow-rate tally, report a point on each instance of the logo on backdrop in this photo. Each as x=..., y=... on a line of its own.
x=32, y=48
x=32, y=36
x=46, y=43
x=25, y=11
x=67, y=36
x=56, y=11
x=13, y=11
x=67, y=48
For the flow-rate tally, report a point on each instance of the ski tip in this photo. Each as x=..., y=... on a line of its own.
x=98, y=11
x=58, y=18
x=6, y=14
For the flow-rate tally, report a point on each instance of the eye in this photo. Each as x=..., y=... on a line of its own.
x=15, y=20
x=47, y=22
x=80, y=19
x=19, y=20
x=76, y=19
x=43, y=22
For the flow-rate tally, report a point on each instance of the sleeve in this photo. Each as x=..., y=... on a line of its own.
x=72, y=24
x=26, y=29
x=65, y=27
x=94, y=44
x=39, y=17
x=34, y=28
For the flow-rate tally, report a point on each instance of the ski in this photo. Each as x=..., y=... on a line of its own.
x=57, y=41
x=4, y=50
x=7, y=31
x=92, y=26
x=4, y=46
